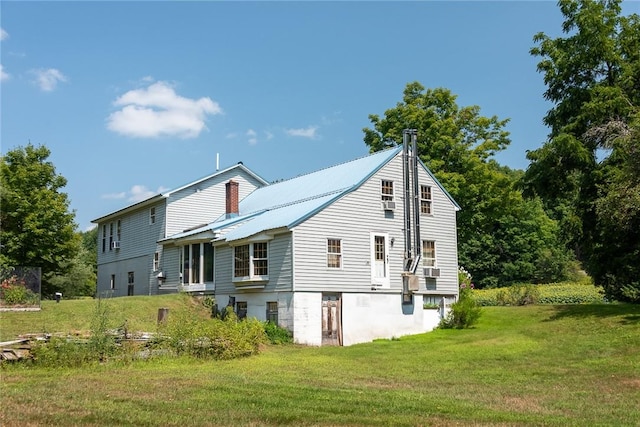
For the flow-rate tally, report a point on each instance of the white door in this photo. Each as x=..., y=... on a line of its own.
x=380, y=259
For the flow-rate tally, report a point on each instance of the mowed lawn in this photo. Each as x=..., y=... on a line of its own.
x=574, y=365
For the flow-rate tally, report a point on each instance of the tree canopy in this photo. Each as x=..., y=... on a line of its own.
x=586, y=171
x=502, y=237
x=38, y=229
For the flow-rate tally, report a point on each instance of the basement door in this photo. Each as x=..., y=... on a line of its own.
x=331, y=320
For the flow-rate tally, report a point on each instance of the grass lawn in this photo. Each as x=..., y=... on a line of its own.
x=574, y=365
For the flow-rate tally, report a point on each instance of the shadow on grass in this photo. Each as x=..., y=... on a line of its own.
x=629, y=313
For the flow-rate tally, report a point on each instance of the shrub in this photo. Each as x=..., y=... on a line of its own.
x=277, y=334
x=582, y=292
x=518, y=295
x=465, y=312
x=228, y=338
x=14, y=291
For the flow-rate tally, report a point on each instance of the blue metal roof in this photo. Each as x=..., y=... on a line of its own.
x=288, y=203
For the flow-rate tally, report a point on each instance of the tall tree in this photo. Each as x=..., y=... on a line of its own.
x=38, y=229
x=593, y=80
x=502, y=238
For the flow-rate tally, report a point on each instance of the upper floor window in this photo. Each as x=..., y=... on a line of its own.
x=110, y=235
x=152, y=215
x=334, y=253
x=119, y=229
x=425, y=200
x=387, y=190
x=428, y=253
x=104, y=237
x=251, y=261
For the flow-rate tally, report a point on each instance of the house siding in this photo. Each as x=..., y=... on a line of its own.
x=353, y=218
x=204, y=202
x=138, y=240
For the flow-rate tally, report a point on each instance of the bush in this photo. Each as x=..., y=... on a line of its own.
x=227, y=338
x=277, y=334
x=13, y=291
x=518, y=295
x=465, y=312
x=582, y=292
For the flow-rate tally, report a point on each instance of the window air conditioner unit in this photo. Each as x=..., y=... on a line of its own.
x=431, y=272
x=389, y=205
x=115, y=244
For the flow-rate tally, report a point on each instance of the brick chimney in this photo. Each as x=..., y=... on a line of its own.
x=232, y=198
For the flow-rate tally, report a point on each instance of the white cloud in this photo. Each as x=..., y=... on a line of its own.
x=268, y=135
x=137, y=193
x=48, y=79
x=253, y=137
x=3, y=34
x=158, y=111
x=309, y=132
x=3, y=76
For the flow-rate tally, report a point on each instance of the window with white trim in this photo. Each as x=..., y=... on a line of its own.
x=334, y=253
x=425, y=200
x=387, y=190
x=428, y=253
x=156, y=261
x=152, y=215
x=196, y=263
x=251, y=261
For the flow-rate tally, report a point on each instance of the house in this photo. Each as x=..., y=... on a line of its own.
x=343, y=255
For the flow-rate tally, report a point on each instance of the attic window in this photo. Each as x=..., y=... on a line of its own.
x=387, y=190
x=425, y=200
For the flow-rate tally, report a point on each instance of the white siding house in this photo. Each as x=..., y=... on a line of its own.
x=130, y=259
x=324, y=254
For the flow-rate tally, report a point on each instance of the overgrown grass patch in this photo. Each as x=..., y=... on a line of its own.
x=553, y=293
x=568, y=365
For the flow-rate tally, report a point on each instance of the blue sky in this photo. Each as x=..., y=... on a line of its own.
x=134, y=98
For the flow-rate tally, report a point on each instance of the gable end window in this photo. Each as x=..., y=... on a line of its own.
x=334, y=253
x=425, y=200
x=387, y=190
x=251, y=262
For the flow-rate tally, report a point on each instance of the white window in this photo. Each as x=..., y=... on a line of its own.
x=380, y=259
x=196, y=263
x=251, y=262
x=156, y=261
x=428, y=253
x=334, y=253
x=152, y=216
x=387, y=190
x=425, y=200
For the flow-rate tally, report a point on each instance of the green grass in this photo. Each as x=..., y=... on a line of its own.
x=73, y=316
x=571, y=365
